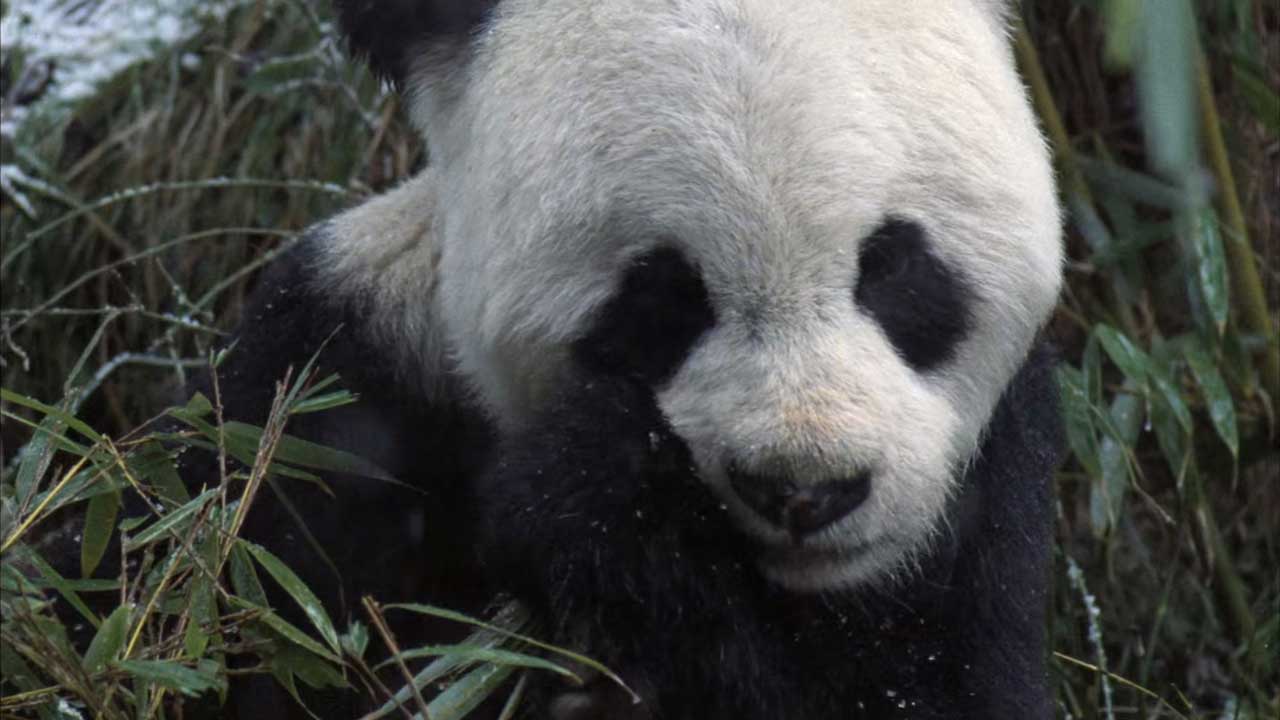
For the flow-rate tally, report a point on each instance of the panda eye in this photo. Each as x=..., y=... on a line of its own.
x=651, y=323
x=920, y=302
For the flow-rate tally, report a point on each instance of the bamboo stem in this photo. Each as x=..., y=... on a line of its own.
x=1079, y=198
x=1250, y=298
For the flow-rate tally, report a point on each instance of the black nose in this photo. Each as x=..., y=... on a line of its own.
x=800, y=510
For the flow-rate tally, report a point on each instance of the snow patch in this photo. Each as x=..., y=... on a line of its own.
x=69, y=48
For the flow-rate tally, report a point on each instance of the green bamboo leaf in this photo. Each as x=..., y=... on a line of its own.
x=1132, y=361
x=297, y=590
x=244, y=579
x=1078, y=417
x=327, y=401
x=1163, y=356
x=241, y=443
x=202, y=612
x=198, y=406
x=1211, y=268
x=312, y=670
x=1171, y=438
x=17, y=671
x=355, y=640
x=1120, y=426
x=174, y=520
x=58, y=439
x=49, y=410
x=1109, y=177
x=444, y=614
x=1172, y=398
x=296, y=451
x=154, y=465
x=1217, y=396
x=202, y=609
x=284, y=677
x=36, y=457
x=62, y=586
x=84, y=585
x=481, y=654
x=467, y=692
x=1122, y=18
x=1262, y=100
x=99, y=522
x=108, y=641
x=284, y=628
x=191, y=682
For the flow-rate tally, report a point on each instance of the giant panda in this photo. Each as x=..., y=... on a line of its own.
x=711, y=334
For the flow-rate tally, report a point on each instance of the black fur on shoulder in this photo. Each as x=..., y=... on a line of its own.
x=387, y=31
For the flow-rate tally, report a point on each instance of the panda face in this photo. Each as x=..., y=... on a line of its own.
x=826, y=232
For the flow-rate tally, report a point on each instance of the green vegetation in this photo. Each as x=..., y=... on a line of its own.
x=135, y=216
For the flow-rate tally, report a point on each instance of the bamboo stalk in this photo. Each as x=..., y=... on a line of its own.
x=1250, y=298
x=1078, y=196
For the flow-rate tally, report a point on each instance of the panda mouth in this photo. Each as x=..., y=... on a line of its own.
x=810, y=569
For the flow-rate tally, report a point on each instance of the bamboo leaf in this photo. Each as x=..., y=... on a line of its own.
x=310, y=668
x=1217, y=396
x=296, y=451
x=444, y=614
x=327, y=401
x=99, y=522
x=1078, y=416
x=244, y=579
x=480, y=654
x=203, y=614
x=174, y=521
x=1211, y=268
x=191, y=682
x=155, y=465
x=1120, y=427
x=63, y=587
x=297, y=590
x=285, y=629
x=1262, y=100
x=467, y=692
x=36, y=456
x=49, y=410
x=355, y=640
x=1132, y=361
x=108, y=641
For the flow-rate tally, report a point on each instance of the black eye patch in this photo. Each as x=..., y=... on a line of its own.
x=920, y=302
x=645, y=331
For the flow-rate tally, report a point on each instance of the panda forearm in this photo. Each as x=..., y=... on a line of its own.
x=598, y=504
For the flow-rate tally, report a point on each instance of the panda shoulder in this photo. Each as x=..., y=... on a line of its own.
x=360, y=289
x=381, y=261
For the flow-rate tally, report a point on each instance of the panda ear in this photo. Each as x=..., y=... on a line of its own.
x=388, y=33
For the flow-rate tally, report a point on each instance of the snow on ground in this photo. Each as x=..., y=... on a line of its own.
x=69, y=48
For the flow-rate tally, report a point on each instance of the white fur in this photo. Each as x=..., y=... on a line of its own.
x=765, y=140
x=386, y=253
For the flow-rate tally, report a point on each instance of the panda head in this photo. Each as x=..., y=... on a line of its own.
x=825, y=232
